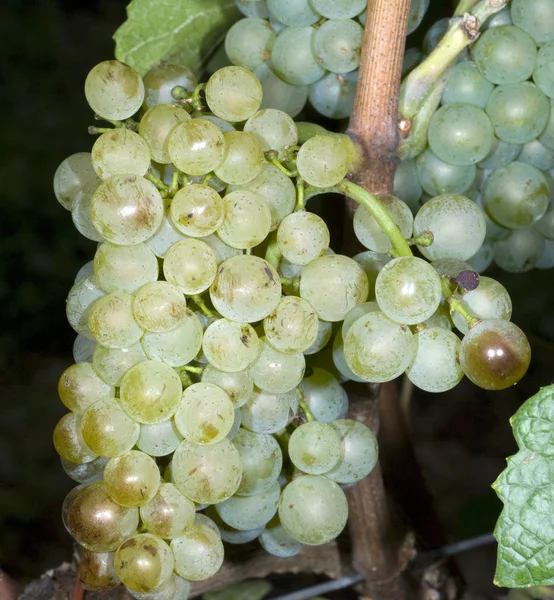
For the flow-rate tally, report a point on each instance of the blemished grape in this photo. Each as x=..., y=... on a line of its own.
x=196, y=146
x=120, y=152
x=267, y=413
x=292, y=327
x=198, y=553
x=543, y=74
x=333, y=95
x=466, y=84
x=233, y=93
x=314, y=448
x=168, y=514
x=243, y=158
x=80, y=387
x=313, y=509
x=113, y=90
x=111, y=322
x=323, y=161
x=190, y=265
x=324, y=395
x=248, y=42
x=274, y=130
x=72, y=174
x=239, y=386
x=159, y=306
x=247, y=219
x=97, y=571
x=162, y=78
x=439, y=177
x=197, y=210
x=536, y=17
x=156, y=126
x=495, y=354
x=69, y=442
x=159, y=439
x=303, y=236
x=276, y=541
x=339, y=9
x=292, y=58
x=279, y=94
x=132, y=479
x=519, y=251
x=110, y=364
x=230, y=346
x=275, y=372
x=337, y=45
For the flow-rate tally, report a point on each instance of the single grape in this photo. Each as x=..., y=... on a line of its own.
x=265, y=412
x=243, y=158
x=293, y=13
x=175, y=588
x=159, y=306
x=69, y=442
x=323, y=161
x=97, y=571
x=324, y=395
x=80, y=387
x=233, y=94
x=324, y=332
x=274, y=130
x=519, y=251
x=466, y=84
x=536, y=17
x=314, y=448
x=120, y=152
x=162, y=78
x=190, y=265
x=248, y=42
x=302, y=236
x=372, y=263
x=159, y=439
x=81, y=211
x=110, y=364
x=547, y=136
x=196, y=146
x=132, y=479
x=358, y=311
x=72, y=174
x=536, y=154
x=111, y=322
x=247, y=219
x=292, y=327
x=276, y=541
x=198, y=553
x=543, y=74
x=85, y=472
x=292, y=58
x=239, y=386
x=337, y=45
x=501, y=154
x=339, y=9
x=164, y=238
x=230, y=346
x=250, y=512
x=168, y=514
x=197, y=210
x=545, y=225
x=230, y=534
x=278, y=94
x=156, y=126
x=333, y=95
x=276, y=372
x=438, y=177
x=434, y=34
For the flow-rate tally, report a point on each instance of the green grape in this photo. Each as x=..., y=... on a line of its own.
x=159, y=439
x=246, y=289
x=408, y=290
x=198, y=553
x=324, y=395
x=111, y=322
x=110, y=364
x=441, y=318
x=495, y=354
x=97, y=522
x=69, y=442
x=156, y=126
x=372, y=263
x=501, y=154
x=378, y=349
x=159, y=306
x=97, y=571
x=144, y=562
x=239, y=386
x=85, y=472
x=369, y=232
x=261, y=460
x=358, y=311
x=535, y=154
x=519, y=112
x=230, y=346
x=333, y=285
x=460, y=134
x=124, y=268
x=247, y=219
x=190, y=265
x=547, y=136
x=197, y=210
x=546, y=260
x=265, y=412
x=221, y=249
x=412, y=56
x=83, y=349
x=275, y=372
x=418, y=8
x=132, y=479
x=108, y=430
x=505, y=54
x=162, y=78
x=230, y=534
x=233, y=93
x=80, y=387
x=150, y=392
x=127, y=209
x=175, y=588
x=276, y=541
x=275, y=188
x=434, y=34
x=81, y=212
x=293, y=13
x=196, y=146
x=273, y=129
x=516, y=196
x=436, y=367
x=313, y=509
x=292, y=327
x=164, y=238
x=438, y=177
x=502, y=17
x=407, y=185
x=168, y=514
x=519, y=251
x=339, y=366
x=323, y=161
x=451, y=267
x=314, y=448
x=339, y=9
x=292, y=58
x=536, y=17
x=303, y=236
x=324, y=331
x=483, y=258
x=333, y=95
x=248, y=42
x=457, y=224
x=72, y=174
x=278, y=94
x=337, y=45
x=205, y=415
x=113, y=90
x=243, y=158
x=207, y=474
x=120, y=152
x=545, y=225
x=543, y=74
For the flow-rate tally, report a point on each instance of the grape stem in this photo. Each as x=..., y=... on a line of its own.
x=175, y=181
x=464, y=6
x=425, y=239
x=191, y=369
x=371, y=204
x=199, y=301
x=304, y=406
x=455, y=304
x=292, y=283
x=300, y=194
x=184, y=377
x=271, y=157
x=462, y=31
x=93, y=130
x=162, y=187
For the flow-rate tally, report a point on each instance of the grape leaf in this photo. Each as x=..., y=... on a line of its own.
x=182, y=31
x=525, y=529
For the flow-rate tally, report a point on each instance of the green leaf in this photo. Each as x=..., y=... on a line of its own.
x=254, y=589
x=182, y=31
x=525, y=529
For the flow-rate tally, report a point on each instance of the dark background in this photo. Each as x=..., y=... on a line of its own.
x=46, y=50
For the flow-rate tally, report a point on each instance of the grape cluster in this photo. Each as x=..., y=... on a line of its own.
x=492, y=138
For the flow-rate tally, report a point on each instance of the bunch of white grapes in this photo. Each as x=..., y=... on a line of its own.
x=493, y=137
x=305, y=49
x=215, y=327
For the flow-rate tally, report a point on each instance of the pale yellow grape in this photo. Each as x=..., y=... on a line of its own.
x=222, y=250
x=111, y=321
x=369, y=232
x=357, y=312
x=314, y=448
x=333, y=285
x=247, y=219
x=150, y=392
x=292, y=327
x=243, y=158
x=97, y=522
x=69, y=442
x=80, y=387
x=144, y=562
x=196, y=146
x=127, y=209
x=377, y=349
x=230, y=346
x=162, y=78
x=198, y=553
x=164, y=238
x=113, y=90
x=159, y=306
x=265, y=412
x=175, y=588
x=408, y=290
x=302, y=236
x=274, y=129
x=322, y=161
x=72, y=174
x=191, y=265
x=197, y=210
x=159, y=439
x=436, y=367
x=97, y=571
x=132, y=479
x=324, y=332
x=81, y=212
x=233, y=93
x=205, y=414
x=120, y=152
x=276, y=372
x=239, y=386
x=156, y=126
x=169, y=514
x=371, y=262
x=245, y=513
x=207, y=474
x=124, y=268
x=246, y=289
x=110, y=364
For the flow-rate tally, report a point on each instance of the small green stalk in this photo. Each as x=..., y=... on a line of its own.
x=195, y=100
x=372, y=205
x=273, y=253
x=294, y=284
x=300, y=194
x=304, y=406
x=272, y=157
x=164, y=189
x=184, y=377
x=455, y=304
x=425, y=239
x=191, y=369
x=175, y=181
x=199, y=301
x=208, y=178
x=93, y=130
x=464, y=6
